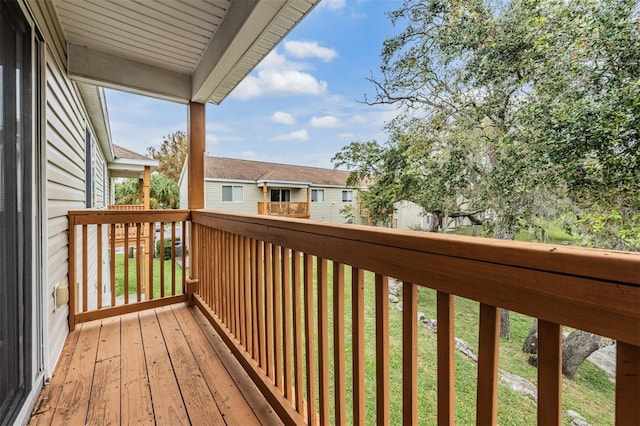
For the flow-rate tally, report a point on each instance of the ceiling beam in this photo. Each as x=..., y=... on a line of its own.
x=244, y=24
x=107, y=70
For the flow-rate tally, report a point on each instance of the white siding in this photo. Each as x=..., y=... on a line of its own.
x=183, y=187
x=252, y=194
x=65, y=174
x=329, y=210
x=65, y=133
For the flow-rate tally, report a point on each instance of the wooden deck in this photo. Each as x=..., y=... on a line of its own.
x=161, y=366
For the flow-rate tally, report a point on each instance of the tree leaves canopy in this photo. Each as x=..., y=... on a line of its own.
x=522, y=108
x=171, y=154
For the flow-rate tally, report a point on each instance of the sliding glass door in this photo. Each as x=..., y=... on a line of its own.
x=16, y=141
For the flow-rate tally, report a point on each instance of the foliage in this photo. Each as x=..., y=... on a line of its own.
x=163, y=192
x=521, y=108
x=171, y=154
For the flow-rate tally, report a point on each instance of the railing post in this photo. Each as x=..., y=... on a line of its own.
x=195, y=154
x=627, y=384
x=72, y=273
x=488, y=348
x=549, y=373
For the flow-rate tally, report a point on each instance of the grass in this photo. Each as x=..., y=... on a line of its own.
x=553, y=234
x=120, y=259
x=591, y=393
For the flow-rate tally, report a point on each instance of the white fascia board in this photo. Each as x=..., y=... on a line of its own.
x=243, y=26
x=135, y=165
x=107, y=70
x=283, y=183
x=228, y=180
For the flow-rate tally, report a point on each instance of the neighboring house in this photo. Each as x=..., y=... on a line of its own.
x=257, y=187
x=55, y=144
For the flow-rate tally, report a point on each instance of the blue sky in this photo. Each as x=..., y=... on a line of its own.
x=299, y=106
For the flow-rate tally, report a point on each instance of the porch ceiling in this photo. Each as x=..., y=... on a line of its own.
x=176, y=50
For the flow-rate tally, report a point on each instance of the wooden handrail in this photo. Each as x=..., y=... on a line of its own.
x=592, y=290
x=124, y=230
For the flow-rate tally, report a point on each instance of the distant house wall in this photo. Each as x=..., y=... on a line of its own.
x=183, y=187
x=329, y=210
x=408, y=215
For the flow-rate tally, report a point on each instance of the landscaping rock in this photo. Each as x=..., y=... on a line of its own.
x=519, y=384
x=393, y=298
x=576, y=418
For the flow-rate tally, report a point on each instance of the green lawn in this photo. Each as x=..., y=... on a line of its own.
x=120, y=259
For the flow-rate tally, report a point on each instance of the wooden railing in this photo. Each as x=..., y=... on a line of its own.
x=258, y=288
x=104, y=281
x=298, y=209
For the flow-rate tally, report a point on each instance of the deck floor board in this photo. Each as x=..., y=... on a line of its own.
x=159, y=366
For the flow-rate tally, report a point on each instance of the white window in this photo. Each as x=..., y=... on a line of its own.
x=232, y=193
x=347, y=196
x=317, y=195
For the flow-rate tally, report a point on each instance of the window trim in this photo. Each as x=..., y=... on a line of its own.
x=347, y=191
x=233, y=187
x=317, y=191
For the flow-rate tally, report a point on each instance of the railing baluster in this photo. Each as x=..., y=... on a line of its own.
x=277, y=316
x=254, y=300
x=246, y=267
x=99, y=260
x=260, y=249
x=150, y=249
x=409, y=353
x=241, y=299
x=310, y=348
x=85, y=268
x=173, y=258
x=161, y=254
x=235, y=319
x=286, y=314
x=338, y=344
x=446, y=358
x=297, y=333
x=184, y=255
x=323, y=340
x=126, y=263
x=488, y=347
x=382, y=349
x=138, y=263
x=112, y=271
x=627, y=384
x=268, y=280
x=549, y=373
x=357, y=312
x=228, y=314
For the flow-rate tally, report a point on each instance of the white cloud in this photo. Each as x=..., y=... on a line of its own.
x=326, y=121
x=309, y=49
x=333, y=4
x=283, y=118
x=277, y=76
x=358, y=119
x=348, y=135
x=298, y=135
x=212, y=139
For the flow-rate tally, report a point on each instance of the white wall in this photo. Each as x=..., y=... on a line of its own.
x=329, y=210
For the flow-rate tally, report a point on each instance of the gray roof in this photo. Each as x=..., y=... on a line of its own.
x=234, y=169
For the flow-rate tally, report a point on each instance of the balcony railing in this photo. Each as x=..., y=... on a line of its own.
x=113, y=266
x=284, y=294
x=298, y=209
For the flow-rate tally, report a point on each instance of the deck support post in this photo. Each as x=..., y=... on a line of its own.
x=195, y=176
